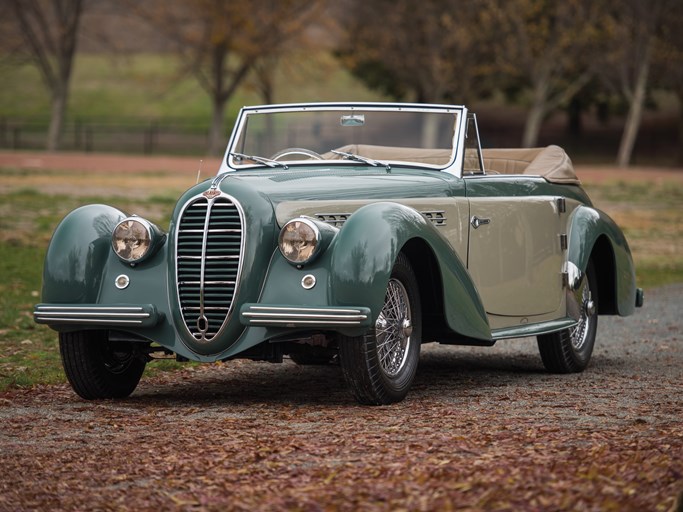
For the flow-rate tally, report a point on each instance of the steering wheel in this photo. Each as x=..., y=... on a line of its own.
x=296, y=151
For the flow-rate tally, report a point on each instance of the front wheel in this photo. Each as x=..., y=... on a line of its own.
x=99, y=368
x=570, y=350
x=380, y=366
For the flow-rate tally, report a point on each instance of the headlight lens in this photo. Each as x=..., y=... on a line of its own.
x=299, y=240
x=132, y=239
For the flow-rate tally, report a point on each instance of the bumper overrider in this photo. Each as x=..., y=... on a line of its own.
x=110, y=315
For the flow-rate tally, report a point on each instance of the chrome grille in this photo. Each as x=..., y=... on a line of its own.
x=208, y=254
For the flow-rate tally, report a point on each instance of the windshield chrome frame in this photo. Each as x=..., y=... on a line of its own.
x=454, y=166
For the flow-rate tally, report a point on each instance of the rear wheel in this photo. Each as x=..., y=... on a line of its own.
x=570, y=350
x=380, y=366
x=99, y=368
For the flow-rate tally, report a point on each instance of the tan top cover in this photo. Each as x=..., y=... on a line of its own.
x=552, y=163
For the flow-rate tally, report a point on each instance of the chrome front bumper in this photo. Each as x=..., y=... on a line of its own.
x=144, y=315
x=302, y=316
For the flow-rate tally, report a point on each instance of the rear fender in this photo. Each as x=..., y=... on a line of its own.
x=593, y=234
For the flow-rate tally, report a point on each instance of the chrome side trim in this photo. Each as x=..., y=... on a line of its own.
x=141, y=316
x=252, y=314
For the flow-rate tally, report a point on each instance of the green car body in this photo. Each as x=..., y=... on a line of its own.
x=493, y=256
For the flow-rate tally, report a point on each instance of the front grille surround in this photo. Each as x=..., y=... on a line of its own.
x=209, y=251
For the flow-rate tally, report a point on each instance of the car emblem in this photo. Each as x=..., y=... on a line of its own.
x=211, y=193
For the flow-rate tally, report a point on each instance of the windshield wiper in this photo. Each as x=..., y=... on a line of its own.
x=360, y=158
x=265, y=161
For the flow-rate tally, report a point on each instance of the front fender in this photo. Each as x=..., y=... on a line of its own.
x=593, y=234
x=77, y=253
x=364, y=253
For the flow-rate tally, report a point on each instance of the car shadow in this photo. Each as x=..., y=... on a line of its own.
x=442, y=371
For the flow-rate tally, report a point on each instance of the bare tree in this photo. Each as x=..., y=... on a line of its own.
x=49, y=30
x=548, y=46
x=220, y=42
x=636, y=25
x=668, y=64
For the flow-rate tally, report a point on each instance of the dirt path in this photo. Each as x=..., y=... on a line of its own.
x=483, y=429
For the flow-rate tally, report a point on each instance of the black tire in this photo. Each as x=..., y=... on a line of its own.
x=378, y=376
x=98, y=368
x=570, y=350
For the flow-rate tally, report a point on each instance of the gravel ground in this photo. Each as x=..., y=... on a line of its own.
x=483, y=429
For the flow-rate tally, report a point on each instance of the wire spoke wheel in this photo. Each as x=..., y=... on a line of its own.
x=570, y=350
x=393, y=329
x=380, y=366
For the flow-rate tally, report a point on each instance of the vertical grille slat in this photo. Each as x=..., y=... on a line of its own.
x=208, y=258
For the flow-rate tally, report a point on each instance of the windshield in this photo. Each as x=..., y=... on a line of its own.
x=368, y=136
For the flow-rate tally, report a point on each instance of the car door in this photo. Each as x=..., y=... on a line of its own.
x=515, y=253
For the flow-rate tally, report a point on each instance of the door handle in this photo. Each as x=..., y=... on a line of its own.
x=478, y=221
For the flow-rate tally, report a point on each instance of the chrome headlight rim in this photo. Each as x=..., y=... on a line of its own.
x=318, y=239
x=154, y=235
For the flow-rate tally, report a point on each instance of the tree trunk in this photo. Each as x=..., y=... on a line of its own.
x=635, y=113
x=58, y=111
x=532, y=127
x=217, y=139
x=679, y=156
x=534, y=118
x=574, y=111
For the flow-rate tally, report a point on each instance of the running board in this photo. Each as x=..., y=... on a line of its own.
x=523, y=331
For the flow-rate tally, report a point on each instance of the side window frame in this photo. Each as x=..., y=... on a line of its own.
x=472, y=165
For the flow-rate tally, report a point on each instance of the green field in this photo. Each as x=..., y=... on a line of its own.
x=114, y=88
x=650, y=215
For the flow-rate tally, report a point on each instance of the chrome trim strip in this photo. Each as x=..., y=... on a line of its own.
x=302, y=316
x=250, y=314
x=144, y=316
x=316, y=310
x=303, y=322
x=92, y=313
x=108, y=321
x=90, y=308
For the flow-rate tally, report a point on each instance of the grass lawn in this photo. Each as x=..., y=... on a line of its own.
x=150, y=86
x=649, y=213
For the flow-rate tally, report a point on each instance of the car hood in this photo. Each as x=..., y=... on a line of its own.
x=301, y=184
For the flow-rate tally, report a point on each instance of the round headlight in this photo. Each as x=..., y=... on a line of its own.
x=299, y=240
x=132, y=239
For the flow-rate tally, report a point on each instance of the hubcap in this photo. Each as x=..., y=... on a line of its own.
x=393, y=329
x=579, y=333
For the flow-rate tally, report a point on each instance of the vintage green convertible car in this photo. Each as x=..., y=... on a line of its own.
x=349, y=232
